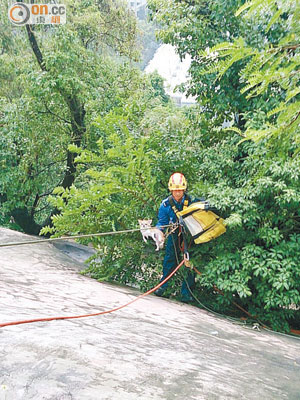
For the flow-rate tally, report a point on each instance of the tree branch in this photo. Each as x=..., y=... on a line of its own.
x=293, y=120
x=52, y=113
x=35, y=47
x=76, y=109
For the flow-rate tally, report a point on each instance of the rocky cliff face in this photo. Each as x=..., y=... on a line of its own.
x=153, y=349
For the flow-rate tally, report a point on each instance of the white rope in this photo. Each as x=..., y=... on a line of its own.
x=75, y=237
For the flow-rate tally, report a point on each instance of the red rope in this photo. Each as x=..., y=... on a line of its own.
x=29, y=321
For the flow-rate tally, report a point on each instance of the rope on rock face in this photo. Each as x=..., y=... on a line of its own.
x=95, y=314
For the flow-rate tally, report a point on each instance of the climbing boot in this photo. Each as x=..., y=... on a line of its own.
x=186, y=298
x=159, y=292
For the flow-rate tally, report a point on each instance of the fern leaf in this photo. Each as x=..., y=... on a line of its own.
x=276, y=110
x=243, y=8
x=292, y=93
x=273, y=19
x=234, y=129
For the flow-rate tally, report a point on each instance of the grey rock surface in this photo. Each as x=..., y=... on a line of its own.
x=154, y=349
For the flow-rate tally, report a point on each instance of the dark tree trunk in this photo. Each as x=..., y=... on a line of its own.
x=22, y=216
x=26, y=221
x=78, y=129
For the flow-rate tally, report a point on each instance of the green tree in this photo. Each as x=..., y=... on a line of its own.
x=194, y=27
x=271, y=72
x=147, y=41
x=256, y=261
x=122, y=180
x=63, y=75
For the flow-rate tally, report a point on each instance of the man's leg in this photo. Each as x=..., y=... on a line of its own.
x=170, y=261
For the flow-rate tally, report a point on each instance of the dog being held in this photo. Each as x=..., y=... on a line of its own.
x=155, y=233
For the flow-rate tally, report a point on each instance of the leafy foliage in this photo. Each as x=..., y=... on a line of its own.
x=122, y=181
x=194, y=27
x=257, y=261
x=271, y=71
x=52, y=96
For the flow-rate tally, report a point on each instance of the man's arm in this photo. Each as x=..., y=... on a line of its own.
x=163, y=217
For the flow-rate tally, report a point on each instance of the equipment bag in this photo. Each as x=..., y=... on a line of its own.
x=203, y=224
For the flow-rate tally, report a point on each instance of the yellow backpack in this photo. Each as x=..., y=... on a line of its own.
x=203, y=224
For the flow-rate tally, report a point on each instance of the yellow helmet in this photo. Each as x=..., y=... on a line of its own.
x=177, y=181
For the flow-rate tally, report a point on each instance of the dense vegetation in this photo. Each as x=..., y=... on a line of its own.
x=85, y=120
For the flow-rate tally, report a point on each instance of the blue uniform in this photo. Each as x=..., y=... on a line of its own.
x=166, y=216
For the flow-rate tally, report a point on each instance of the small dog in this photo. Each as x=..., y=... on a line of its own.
x=155, y=233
